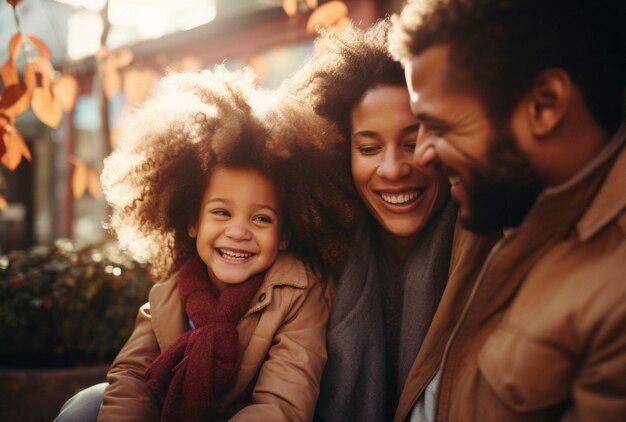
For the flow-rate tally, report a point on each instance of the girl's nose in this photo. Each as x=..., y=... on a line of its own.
x=238, y=231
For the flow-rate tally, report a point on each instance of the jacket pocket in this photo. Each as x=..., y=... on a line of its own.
x=525, y=373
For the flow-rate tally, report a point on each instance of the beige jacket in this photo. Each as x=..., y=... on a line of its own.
x=543, y=336
x=283, y=340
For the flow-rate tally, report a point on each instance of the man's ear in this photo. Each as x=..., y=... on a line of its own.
x=192, y=230
x=548, y=101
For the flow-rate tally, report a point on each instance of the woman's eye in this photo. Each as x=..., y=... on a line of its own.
x=410, y=146
x=368, y=149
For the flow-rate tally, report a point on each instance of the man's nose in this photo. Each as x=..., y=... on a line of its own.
x=425, y=154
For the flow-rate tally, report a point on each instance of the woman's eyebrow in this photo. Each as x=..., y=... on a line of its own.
x=366, y=134
x=411, y=128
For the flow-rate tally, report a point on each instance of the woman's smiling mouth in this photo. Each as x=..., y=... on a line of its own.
x=401, y=198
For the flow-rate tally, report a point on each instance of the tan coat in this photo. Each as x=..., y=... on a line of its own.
x=543, y=335
x=283, y=340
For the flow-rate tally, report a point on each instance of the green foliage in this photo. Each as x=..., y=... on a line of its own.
x=64, y=306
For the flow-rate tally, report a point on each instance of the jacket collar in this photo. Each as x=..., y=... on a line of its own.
x=597, y=191
x=286, y=271
x=168, y=315
x=610, y=201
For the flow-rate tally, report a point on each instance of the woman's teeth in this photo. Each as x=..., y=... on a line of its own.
x=238, y=256
x=400, y=198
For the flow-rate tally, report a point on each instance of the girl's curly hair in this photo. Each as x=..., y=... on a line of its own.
x=155, y=180
x=343, y=67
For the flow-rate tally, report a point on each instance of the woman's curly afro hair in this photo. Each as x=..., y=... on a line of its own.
x=154, y=181
x=344, y=66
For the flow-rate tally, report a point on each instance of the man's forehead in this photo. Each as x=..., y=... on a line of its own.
x=425, y=76
x=428, y=67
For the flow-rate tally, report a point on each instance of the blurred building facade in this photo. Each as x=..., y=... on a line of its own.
x=41, y=203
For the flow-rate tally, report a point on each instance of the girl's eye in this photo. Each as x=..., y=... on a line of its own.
x=220, y=212
x=263, y=219
x=368, y=149
x=410, y=146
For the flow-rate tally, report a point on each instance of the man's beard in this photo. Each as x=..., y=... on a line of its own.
x=501, y=192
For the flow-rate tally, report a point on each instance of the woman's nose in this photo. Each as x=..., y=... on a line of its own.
x=393, y=167
x=238, y=231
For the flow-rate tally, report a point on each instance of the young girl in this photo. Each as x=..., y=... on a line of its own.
x=208, y=186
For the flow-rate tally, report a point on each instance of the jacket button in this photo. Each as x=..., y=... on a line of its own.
x=261, y=297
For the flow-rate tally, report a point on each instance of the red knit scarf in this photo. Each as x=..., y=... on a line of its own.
x=203, y=363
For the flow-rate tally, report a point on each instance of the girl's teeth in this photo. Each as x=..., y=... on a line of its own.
x=401, y=198
x=235, y=255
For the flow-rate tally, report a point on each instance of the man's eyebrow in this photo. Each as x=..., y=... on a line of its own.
x=428, y=119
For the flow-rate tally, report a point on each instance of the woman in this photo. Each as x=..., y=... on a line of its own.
x=406, y=249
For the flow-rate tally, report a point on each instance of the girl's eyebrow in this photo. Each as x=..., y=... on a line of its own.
x=224, y=200
x=259, y=207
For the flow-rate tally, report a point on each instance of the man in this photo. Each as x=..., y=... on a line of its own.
x=521, y=105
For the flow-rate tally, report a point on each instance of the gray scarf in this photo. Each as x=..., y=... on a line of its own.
x=354, y=381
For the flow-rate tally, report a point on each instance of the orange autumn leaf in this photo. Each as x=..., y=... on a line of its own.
x=257, y=63
x=13, y=88
x=44, y=105
x=65, y=90
x=44, y=66
x=10, y=101
x=10, y=74
x=3, y=203
x=342, y=23
x=14, y=45
x=122, y=57
x=186, y=64
x=138, y=83
x=290, y=7
x=79, y=178
x=16, y=97
x=114, y=135
x=15, y=147
x=3, y=147
x=111, y=80
x=93, y=183
x=327, y=15
x=39, y=45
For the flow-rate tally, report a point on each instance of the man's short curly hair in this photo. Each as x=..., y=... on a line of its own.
x=344, y=66
x=498, y=47
x=154, y=181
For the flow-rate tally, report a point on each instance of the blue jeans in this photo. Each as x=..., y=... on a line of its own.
x=83, y=406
